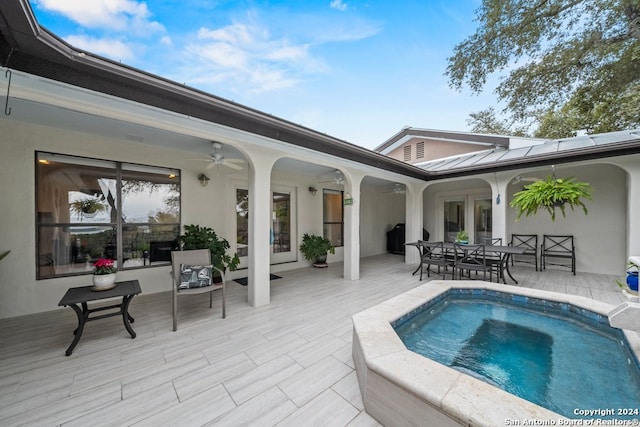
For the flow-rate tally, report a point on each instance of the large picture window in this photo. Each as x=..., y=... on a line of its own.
x=88, y=209
x=333, y=216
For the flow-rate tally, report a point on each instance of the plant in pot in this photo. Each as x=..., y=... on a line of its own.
x=88, y=207
x=462, y=237
x=549, y=194
x=197, y=237
x=631, y=285
x=104, y=274
x=315, y=248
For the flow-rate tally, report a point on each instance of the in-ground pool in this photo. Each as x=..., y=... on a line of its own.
x=534, y=349
x=400, y=387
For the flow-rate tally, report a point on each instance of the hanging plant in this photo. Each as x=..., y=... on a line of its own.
x=87, y=207
x=549, y=194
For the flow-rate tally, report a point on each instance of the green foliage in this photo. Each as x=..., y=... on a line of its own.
x=4, y=254
x=486, y=122
x=462, y=236
x=549, y=194
x=582, y=56
x=196, y=237
x=314, y=246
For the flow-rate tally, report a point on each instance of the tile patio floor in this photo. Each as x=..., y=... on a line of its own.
x=285, y=364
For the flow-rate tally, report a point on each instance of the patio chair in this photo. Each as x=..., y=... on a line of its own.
x=197, y=257
x=530, y=243
x=432, y=253
x=471, y=258
x=558, y=248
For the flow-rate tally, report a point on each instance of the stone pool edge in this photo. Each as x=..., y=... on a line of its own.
x=399, y=387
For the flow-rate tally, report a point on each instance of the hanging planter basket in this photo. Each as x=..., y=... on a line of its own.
x=550, y=194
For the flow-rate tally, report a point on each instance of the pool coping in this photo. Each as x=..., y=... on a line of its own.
x=400, y=387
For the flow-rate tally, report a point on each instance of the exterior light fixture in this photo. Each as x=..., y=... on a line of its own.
x=204, y=179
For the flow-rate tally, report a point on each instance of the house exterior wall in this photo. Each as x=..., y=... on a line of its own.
x=601, y=236
x=211, y=206
x=379, y=213
x=433, y=149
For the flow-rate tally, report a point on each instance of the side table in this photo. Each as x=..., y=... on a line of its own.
x=77, y=299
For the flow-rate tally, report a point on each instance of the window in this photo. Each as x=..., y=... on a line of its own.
x=407, y=153
x=420, y=150
x=88, y=209
x=333, y=216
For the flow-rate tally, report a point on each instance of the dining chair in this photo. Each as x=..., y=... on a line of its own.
x=433, y=253
x=530, y=243
x=182, y=284
x=558, y=248
x=471, y=257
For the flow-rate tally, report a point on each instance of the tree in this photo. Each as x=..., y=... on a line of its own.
x=568, y=58
x=485, y=121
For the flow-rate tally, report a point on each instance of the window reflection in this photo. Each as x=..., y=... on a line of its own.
x=78, y=214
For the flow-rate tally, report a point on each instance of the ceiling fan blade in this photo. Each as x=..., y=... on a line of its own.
x=232, y=165
x=210, y=165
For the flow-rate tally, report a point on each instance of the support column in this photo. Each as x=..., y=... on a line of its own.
x=499, y=206
x=414, y=221
x=259, y=288
x=352, y=227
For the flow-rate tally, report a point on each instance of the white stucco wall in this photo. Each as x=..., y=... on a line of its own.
x=600, y=236
x=379, y=213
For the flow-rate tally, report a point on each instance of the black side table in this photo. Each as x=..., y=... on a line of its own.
x=79, y=297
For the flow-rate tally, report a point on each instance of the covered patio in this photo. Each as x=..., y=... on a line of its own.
x=286, y=363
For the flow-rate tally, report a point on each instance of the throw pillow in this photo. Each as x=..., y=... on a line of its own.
x=195, y=276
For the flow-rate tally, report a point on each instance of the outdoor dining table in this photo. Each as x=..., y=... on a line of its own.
x=505, y=252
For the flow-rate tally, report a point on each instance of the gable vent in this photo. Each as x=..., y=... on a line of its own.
x=420, y=150
x=407, y=153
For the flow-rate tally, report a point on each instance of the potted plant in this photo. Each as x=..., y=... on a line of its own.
x=315, y=248
x=632, y=279
x=462, y=237
x=87, y=207
x=197, y=237
x=549, y=194
x=104, y=274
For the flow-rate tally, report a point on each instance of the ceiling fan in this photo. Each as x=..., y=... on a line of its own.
x=397, y=189
x=338, y=178
x=217, y=159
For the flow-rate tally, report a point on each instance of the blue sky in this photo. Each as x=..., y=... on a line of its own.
x=356, y=70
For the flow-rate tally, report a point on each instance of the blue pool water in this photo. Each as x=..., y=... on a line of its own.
x=559, y=357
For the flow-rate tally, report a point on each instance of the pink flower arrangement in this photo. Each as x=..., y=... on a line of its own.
x=104, y=266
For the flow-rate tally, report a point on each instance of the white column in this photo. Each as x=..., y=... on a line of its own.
x=414, y=221
x=352, y=227
x=500, y=206
x=259, y=287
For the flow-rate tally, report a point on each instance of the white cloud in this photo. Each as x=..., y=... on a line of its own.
x=110, y=48
x=127, y=15
x=338, y=5
x=248, y=56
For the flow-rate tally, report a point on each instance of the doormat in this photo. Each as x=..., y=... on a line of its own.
x=244, y=281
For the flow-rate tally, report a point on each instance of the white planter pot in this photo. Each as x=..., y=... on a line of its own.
x=103, y=282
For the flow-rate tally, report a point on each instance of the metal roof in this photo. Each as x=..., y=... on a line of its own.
x=559, y=151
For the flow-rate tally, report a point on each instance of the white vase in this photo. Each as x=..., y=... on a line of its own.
x=102, y=282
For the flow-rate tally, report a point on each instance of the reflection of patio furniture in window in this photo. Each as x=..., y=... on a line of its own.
x=45, y=262
x=193, y=257
x=530, y=243
x=160, y=251
x=558, y=248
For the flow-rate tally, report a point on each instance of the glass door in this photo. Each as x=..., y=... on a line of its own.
x=283, y=235
x=482, y=220
x=454, y=218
